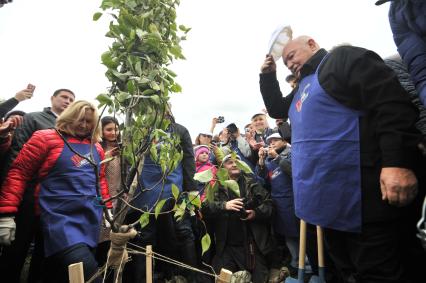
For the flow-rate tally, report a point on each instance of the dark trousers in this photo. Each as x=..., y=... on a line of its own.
x=371, y=256
x=28, y=228
x=57, y=265
x=234, y=258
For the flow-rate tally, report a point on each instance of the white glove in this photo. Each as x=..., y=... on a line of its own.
x=106, y=223
x=7, y=230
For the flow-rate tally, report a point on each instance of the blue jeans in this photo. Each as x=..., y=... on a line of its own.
x=58, y=263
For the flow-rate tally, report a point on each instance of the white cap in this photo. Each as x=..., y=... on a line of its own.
x=206, y=133
x=229, y=156
x=279, y=39
x=274, y=136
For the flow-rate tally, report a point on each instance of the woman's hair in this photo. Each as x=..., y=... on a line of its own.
x=197, y=140
x=75, y=112
x=107, y=120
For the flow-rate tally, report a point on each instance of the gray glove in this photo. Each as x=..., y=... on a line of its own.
x=7, y=230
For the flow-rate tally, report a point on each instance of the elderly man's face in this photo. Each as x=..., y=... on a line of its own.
x=233, y=170
x=295, y=55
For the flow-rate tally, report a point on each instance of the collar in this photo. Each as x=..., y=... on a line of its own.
x=312, y=64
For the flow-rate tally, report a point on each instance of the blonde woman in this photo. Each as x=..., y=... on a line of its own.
x=64, y=161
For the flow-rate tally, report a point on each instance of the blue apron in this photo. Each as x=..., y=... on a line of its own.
x=325, y=158
x=155, y=186
x=70, y=213
x=285, y=221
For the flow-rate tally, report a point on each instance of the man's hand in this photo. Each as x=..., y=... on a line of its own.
x=10, y=125
x=272, y=153
x=269, y=65
x=251, y=214
x=235, y=204
x=262, y=156
x=398, y=185
x=25, y=93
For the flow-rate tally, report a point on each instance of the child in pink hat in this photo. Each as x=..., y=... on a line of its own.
x=202, y=163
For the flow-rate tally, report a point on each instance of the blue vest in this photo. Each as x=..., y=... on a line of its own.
x=155, y=185
x=285, y=221
x=325, y=158
x=70, y=213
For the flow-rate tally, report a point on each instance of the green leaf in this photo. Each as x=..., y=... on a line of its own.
x=210, y=191
x=243, y=166
x=131, y=87
x=104, y=99
x=148, y=92
x=194, y=198
x=96, y=16
x=154, y=85
x=122, y=96
x=205, y=176
x=222, y=174
x=233, y=186
x=108, y=61
x=138, y=68
x=184, y=28
x=205, y=243
x=119, y=75
x=156, y=99
x=176, y=51
x=153, y=28
x=176, y=88
x=153, y=152
x=175, y=191
x=144, y=219
x=180, y=211
x=158, y=207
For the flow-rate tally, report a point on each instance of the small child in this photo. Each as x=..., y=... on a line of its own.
x=202, y=163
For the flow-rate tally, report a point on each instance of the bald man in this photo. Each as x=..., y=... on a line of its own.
x=354, y=154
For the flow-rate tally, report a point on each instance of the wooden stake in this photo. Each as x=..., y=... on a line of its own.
x=224, y=276
x=149, y=264
x=75, y=272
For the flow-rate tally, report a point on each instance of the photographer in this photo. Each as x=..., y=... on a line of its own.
x=274, y=167
x=241, y=224
x=235, y=142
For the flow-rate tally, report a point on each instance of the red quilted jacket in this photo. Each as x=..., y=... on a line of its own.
x=36, y=159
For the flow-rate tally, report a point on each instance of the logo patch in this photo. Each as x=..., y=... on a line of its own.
x=79, y=161
x=303, y=97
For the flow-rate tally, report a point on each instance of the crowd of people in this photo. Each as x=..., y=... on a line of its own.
x=346, y=153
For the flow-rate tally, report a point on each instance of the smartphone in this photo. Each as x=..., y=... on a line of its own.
x=31, y=87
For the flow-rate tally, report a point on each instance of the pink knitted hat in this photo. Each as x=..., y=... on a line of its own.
x=200, y=149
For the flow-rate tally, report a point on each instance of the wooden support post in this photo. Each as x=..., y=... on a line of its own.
x=149, y=264
x=224, y=276
x=75, y=273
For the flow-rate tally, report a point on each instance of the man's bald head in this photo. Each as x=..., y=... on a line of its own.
x=298, y=51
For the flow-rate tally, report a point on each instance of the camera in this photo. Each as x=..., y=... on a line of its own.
x=248, y=204
x=220, y=119
x=232, y=128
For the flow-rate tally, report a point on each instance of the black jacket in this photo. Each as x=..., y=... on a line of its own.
x=34, y=121
x=259, y=227
x=188, y=161
x=7, y=105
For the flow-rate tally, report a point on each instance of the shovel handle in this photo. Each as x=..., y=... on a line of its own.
x=320, y=242
x=302, y=245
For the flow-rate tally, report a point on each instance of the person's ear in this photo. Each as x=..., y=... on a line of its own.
x=312, y=44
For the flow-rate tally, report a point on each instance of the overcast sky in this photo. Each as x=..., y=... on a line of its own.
x=55, y=44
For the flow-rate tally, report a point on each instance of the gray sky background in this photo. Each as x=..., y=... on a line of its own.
x=55, y=44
